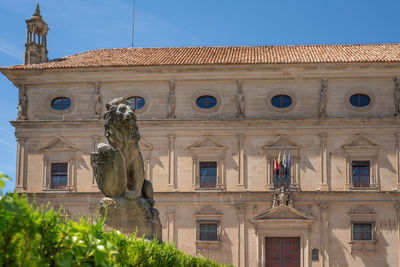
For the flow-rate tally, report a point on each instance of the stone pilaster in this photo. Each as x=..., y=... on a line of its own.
x=241, y=171
x=324, y=228
x=171, y=162
x=171, y=226
x=20, y=171
x=324, y=162
x=242, y=236
x=397, y=149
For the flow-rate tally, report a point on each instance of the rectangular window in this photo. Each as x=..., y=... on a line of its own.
x=59, y=175
x=208, y=174
x=208, y=232
x=360, y=173
x=362, y=231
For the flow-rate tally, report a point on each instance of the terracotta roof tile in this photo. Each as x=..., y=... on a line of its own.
x=223, y=55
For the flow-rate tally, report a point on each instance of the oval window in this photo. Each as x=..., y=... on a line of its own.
x=281, y=101
x=206, y=101
x=360, y=100
x=137, y=102
x=61, y=103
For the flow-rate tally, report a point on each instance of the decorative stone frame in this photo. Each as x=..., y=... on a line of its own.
x=283, y=221
x=208, y=215
x=139, y=93
x=204, y=92
x=208, y=149
x=145, y=149
x=363, y=214
x=369, y=93
x=273, y=93
x=55, y=95
x=51, y=154
x=362, y=148
x=272, y=149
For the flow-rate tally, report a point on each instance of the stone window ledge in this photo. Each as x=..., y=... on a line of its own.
x=371, y=188
x=209, y=189
x=363, y=246
x=202, y=242
x=56, y=190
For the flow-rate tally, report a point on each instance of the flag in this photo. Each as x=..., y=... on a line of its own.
x=279, y=160
x=284, y=159
x=275, y=165
x=288, y=162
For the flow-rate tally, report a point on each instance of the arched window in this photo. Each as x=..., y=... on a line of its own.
x=360, y=100
x=137, y=102
x=206, y=101
x=281, y=101
x=61, y=103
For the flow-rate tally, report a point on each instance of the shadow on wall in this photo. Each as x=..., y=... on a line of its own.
x=379, y=258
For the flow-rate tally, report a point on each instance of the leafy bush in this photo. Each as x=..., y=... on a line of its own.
x=40, y=236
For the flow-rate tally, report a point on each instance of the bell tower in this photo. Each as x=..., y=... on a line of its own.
x=36, y=39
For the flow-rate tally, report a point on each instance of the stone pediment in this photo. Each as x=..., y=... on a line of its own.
x=281, y=143
x=361, y=141
x=282, y=213
x=144, y=144
x=59, y=143
x=207, y=143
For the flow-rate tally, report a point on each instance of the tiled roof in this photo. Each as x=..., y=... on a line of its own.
x=223, y=56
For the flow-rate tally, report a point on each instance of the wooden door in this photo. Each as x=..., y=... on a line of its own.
x=282, y=251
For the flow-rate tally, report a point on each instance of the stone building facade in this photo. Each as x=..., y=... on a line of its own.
x=212, y=121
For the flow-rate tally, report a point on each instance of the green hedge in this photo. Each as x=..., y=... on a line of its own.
x=39, y=236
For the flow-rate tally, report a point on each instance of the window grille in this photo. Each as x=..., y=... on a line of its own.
x=59, y=175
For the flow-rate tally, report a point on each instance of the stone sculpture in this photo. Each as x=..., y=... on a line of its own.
x=397, y=96
x=22, y=103
x=171, y=100
x=323, y=98
x=240, y=103
x=282, y=196
x=119, y=171
x=98, y=100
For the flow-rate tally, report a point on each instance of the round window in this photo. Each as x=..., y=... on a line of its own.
x=137, y=102
x=281, y=101
x=61, y=103
x=360, y=100
x=206, y=101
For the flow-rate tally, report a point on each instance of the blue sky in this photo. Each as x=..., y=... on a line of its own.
x=77, y=26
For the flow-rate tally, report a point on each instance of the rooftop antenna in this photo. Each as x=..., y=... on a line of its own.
x=133, y=21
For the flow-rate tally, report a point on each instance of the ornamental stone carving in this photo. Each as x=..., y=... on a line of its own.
x=239, y=98
x=119, y=171
x=397, y=96
x=323, y=98
x=171, y=100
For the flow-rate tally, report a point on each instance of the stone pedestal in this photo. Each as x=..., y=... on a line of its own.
x=131, y=215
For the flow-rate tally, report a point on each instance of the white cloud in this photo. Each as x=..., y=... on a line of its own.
x=10, y=49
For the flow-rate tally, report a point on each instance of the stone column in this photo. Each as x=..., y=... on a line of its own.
x=45, y=181
x=242, y=237
x=221, y=168
x=348, y=183
x=171, y=161
x=171, y=226
x=324, y=158
x=324, y=229
x=194, y=171
x=397, y=207
x=241, y=163
x=20, y=171
x=71, y=175
x=269, y=183
x=397, y=147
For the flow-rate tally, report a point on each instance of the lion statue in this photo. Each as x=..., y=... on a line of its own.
x=118, y=166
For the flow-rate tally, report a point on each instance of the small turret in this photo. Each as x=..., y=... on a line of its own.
x=36, y=39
